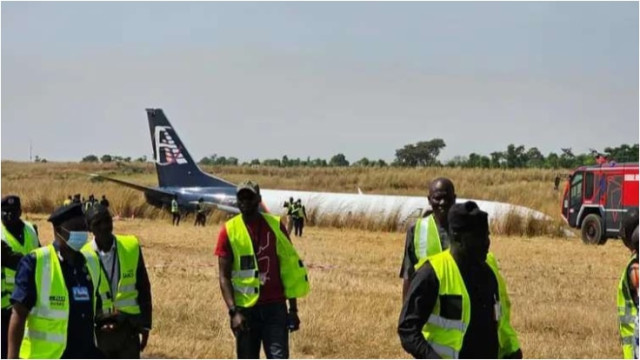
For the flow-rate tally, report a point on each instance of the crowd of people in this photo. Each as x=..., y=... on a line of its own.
x=83, y=297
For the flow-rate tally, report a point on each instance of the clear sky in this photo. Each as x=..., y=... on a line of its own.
x=261, y=80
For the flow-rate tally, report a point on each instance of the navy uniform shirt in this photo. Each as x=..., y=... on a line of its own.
x=410, y=260
x=80, y=329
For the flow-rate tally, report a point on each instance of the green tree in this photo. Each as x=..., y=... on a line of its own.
x=90, y=158
x=423, y=153
x=106, y=158
x=338, y=160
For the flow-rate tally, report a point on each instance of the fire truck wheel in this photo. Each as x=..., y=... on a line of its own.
x=592, y=230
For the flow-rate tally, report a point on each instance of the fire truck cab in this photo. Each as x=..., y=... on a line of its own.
x=596, y=199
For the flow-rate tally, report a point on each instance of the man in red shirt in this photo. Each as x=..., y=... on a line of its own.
x=259, y=270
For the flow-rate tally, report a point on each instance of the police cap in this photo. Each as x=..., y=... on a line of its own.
x=65, y=213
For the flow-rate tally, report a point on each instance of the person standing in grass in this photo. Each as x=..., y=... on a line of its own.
x=628, y=289
x=428, y=236
x=18, y=239
x=124, y=334
x=299, y=216
x=457, y=305
x=175, y=210
x=57, y=295
x=259, y=270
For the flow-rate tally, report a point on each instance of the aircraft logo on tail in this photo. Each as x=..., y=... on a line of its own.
x=167, y=152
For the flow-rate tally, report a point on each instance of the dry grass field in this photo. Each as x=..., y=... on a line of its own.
x=562, y=292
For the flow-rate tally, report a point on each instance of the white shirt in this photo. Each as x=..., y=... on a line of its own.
x=109, y=260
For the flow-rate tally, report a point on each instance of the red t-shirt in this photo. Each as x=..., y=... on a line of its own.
x=264, y=246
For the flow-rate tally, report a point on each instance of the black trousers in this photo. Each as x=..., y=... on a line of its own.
x=176, y=219
x=267, y=326
x=123, y=345
x=6, y=317
x=298, y=224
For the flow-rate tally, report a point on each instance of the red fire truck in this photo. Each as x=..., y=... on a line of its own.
x=596, y=199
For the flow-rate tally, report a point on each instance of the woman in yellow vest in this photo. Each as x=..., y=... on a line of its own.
x=628, y=289
x=57, y=295
x=259, y=270
x=454, y=308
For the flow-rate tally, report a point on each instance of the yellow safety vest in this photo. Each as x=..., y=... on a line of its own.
x=426, y=239
x=45, y=333
x=31, y=242
x=174, y=206
x=627, y=312
x=447, y=335
x=244, y=274
x=128, y=250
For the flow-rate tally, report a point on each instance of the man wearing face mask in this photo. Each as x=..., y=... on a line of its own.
x=457, y=305
x=18, y=239
x=58, y=294
x=259, y=270
x=428, y=236
x=125, y=334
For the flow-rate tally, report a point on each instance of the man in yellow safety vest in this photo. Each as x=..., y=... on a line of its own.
x=18, y=239
x=125, y=334
x=259, y=270
x=628, y=289
x=428, y=236
x=457, y=305
x=58, y=295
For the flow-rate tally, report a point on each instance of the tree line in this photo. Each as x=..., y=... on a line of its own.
x=425, y=153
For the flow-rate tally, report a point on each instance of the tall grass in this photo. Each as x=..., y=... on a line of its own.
x=45, y=186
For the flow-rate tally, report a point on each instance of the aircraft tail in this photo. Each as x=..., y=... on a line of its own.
x=174, y=164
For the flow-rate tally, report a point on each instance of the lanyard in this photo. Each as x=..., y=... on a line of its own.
x=113, y=268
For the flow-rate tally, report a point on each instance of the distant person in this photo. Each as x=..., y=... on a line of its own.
x=628, y=289
x=67, y=201
x=56, y=318
x=89, y=203
x=556, y=182
x=289, y=206
x=76, y=199
x=259, y=271
x=299, y=216
x=125, y=333
x=18, y=239
x=175, y=210
x=429, y=235
x=104, y=202
x=457, y=305
x=201, y=216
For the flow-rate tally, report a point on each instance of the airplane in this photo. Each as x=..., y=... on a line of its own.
x=179, y=175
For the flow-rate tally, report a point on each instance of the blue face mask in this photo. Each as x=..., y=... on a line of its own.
x=77, y=239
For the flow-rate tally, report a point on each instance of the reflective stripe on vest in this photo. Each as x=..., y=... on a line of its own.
x=244, y=275
x=31, y=242
x=627, y=313
x=426, y=239
x=446, y=336
x=44, y=336
x=126, y=297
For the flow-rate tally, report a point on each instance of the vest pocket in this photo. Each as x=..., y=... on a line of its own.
x=247, y=262
x=451, y=307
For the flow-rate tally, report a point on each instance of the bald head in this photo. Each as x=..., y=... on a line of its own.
x=442, y=195
x=443, y=184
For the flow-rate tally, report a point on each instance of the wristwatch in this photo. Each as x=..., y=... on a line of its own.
x=233, y=310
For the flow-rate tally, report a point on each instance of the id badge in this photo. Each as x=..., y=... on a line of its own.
x=81, y=293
